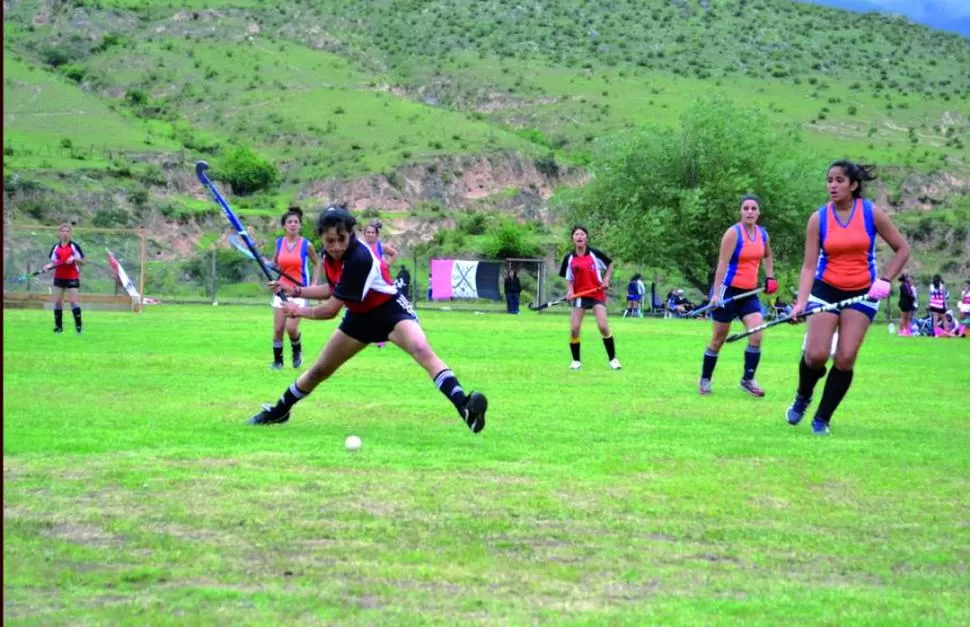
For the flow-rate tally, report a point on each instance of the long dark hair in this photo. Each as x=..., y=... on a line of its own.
x=293, y=210
x=937, y=280
x=336, y=216
x=856, y=174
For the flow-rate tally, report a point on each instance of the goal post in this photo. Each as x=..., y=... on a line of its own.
x=26, y=249
x=534, y=277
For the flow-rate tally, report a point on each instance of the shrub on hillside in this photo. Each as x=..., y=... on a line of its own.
x=246, y=171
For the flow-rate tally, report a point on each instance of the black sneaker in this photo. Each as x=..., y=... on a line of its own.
x=58, y=330
x=474, y=411
x=266, y=417
x=277, y=365
x=78, y=329
x=297, y=358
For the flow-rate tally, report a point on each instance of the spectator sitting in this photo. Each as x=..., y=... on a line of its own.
x=781, y=308
x=964, y=304
x=677, y=304
x=949, y=327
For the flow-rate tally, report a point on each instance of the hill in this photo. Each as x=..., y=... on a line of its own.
x=347, y=95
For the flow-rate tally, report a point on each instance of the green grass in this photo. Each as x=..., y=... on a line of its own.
x=133, y=492
x=40, y=110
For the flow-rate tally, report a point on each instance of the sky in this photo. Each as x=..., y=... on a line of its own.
x=949, y=15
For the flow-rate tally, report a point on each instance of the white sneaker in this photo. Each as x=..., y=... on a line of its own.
x=615, y=364
x=575, y=365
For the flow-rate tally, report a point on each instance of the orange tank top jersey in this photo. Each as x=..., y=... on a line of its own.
x=294, y=260
x=742, y=270
x=847, y=255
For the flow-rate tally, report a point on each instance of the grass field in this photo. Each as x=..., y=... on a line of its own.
x=134, y=493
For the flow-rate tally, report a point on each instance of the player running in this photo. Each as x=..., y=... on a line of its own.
x=66, y=259
x=588, y=273
x=743, y=248
x=294, y=256
x=358, y=279
x=840, y=263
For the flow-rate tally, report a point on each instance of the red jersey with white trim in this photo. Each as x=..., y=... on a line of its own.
x=361, y=280
x=586, y=272
x=59, y=255
x=294, y=260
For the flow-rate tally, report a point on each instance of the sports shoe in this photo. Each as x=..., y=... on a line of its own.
x=751, y=387
x=615, y=364
x=266, y=417
x=796, y=411
x=473, y=413
x=58, y=330
x=820, y=428
x=297, y=358
x=277, y=365
x=79, y=329
x=704, y=387
x=576, y=365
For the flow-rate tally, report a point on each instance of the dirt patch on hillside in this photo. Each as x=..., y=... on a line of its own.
x=452, y=182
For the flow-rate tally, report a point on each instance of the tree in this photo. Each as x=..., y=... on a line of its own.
x=246, y=171
x=664, y=197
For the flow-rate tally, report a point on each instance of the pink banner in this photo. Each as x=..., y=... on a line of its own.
x=441, y=278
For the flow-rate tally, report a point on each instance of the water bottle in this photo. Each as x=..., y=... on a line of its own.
x=892, y=328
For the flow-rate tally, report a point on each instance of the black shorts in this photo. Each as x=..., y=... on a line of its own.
x=937, y=310
x=375, y=325
x=585, y=303
x=736, y=308
x=907, y=307
x=67, y=283
x=825, y=294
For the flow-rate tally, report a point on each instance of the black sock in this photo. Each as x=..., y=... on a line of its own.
x=58, y=318
x=752, y=355
x=610, y=348
x=77, y=316
x=277, y=352
x=574, y=349
x=836, y=385
x=710, y=361
x=296, y=346
x=447, y=383
x=807, y=378
x=289, y=398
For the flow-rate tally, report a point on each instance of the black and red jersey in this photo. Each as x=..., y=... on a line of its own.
x=59, y=255
x=586, y=272
x=361, y=280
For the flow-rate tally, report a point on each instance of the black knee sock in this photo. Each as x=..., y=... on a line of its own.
x=447, y=383
x=836, y=385
x=277, y=352
x=77, y=316
x=290, y=397
x=752, y=355
x=574, y=349
x=807, y=378
x=58, y=318
x=610, y=348
x=710, y=361
x=296, y=346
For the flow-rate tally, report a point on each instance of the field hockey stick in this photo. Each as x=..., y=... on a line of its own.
x=238, y=245
x=811, y=312
x=200, y=169
x=727, y=301
x=562, y=300
x=30, y=275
